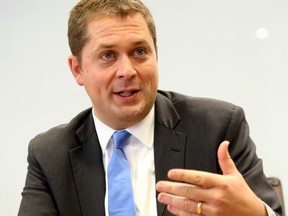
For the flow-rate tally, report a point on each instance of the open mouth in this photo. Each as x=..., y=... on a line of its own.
x=127, y=94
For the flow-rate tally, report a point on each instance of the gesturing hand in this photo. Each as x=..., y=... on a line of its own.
x=209, y=194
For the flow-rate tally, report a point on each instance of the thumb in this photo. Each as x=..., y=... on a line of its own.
x=226, y=163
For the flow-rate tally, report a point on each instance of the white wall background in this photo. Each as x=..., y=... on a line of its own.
x=206, y=48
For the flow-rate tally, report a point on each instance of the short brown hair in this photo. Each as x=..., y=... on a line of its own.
x=87, y=10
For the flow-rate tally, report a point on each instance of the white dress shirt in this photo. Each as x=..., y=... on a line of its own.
x=140, y=154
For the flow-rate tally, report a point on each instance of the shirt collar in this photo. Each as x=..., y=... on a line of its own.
x=143, y=130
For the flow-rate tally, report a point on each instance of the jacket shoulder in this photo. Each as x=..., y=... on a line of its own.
x=198, y=104
x=61, y=136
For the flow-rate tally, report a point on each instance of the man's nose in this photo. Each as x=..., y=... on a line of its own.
x=125, y=68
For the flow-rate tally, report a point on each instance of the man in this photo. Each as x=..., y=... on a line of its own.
x=114, y=56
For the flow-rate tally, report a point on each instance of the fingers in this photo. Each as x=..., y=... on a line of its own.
x=178, y=202
x=181, y=206
x=181, y=198
x=196, y=178
x=182, y=190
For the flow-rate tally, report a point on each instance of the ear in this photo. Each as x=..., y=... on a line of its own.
x=75, y=69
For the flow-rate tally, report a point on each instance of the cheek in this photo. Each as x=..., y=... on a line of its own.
x=98, y=83
x=90, y=82
x=150, y=72
x=153, y=77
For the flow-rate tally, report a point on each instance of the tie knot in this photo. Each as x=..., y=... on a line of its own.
x=120, y=138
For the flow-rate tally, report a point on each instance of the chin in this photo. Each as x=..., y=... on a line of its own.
x=133, y=115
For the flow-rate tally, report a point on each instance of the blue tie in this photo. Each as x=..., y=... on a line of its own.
x=120, y=192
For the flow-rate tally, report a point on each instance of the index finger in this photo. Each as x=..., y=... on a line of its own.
x=198, y=178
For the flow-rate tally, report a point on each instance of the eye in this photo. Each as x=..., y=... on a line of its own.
x=140, y=52
x=108, y=56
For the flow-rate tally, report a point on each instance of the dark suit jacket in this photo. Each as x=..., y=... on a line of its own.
x=66, y=175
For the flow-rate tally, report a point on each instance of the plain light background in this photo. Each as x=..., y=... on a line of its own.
x=230, y=50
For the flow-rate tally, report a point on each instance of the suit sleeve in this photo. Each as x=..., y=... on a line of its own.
x=37, y=198
x=243, y=152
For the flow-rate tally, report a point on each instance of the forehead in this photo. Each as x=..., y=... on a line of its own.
x=112, y=29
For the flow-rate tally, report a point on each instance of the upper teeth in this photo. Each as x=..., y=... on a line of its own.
x=126, y=94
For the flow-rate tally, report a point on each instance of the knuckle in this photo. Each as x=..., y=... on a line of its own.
x=197, y=179
x=188, y=191
x=219, y=199
x=187, y=205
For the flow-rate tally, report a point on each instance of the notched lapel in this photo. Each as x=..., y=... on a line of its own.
x=168, y=150
x=88, y=171
x=169, y=144
x=169, y=153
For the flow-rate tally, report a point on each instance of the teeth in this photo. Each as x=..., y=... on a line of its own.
x=126, y=94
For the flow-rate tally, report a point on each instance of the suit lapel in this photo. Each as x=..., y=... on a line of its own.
x=88, y=171
x=169, y=144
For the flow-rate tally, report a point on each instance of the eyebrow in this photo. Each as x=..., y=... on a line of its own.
x=140, y=42
x=109, y=46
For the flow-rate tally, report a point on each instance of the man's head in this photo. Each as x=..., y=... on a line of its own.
x=114, y=57
x=87, y=10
